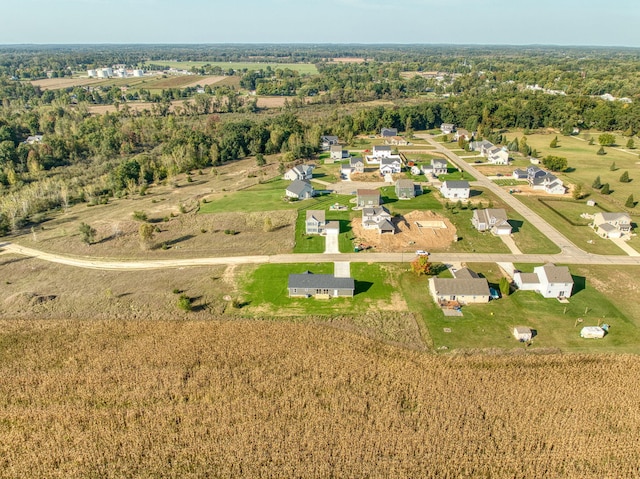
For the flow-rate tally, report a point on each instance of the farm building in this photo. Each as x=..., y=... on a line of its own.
x=308, y=285
x=522, y=333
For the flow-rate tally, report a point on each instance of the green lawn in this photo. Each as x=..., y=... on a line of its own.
x=490, y=325
x=422, y=157
x=585, y=165
x=265, y=289
x=315, y=243
x=454, y=174
x=308, y=68
x=510, y=182
x=262, y=197
x=425, y=201
x=558, y=214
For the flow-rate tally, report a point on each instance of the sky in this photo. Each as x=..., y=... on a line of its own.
x=489, y=22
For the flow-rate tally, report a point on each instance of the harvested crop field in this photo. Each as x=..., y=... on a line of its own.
x=416, y=230
x=266, y=399
x=57, y=83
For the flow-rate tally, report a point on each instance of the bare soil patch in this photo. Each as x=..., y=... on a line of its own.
x=408, y=236
x=57, y=83
x=348, y=60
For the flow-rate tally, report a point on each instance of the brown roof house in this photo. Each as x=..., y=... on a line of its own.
x=367, y=198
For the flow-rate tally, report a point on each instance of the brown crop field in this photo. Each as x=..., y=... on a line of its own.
x=57, y=83
x=262, y=399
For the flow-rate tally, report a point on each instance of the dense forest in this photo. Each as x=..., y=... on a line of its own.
x=88, y=157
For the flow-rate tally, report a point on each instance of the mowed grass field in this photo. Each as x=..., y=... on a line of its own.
x=585, y=165
x=302, y=68
x=154, y=83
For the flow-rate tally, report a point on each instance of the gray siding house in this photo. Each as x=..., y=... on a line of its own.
x=300, y=189
x=307, y=285
x=315, y=222
x=405, y=189
x=368, y=198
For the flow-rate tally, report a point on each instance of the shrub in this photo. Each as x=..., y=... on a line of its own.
x=630, y=203
x=597, y=184
x=601, y=151
x=139, y=216
x=624, y=177
x=184, y=302
x=87, y=232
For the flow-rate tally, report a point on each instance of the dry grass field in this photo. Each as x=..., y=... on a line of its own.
x=262, y=399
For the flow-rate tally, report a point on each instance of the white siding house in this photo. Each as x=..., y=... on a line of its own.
x=455, y=190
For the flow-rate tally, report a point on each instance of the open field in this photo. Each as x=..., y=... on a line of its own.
x=561, y=215
x=303, y=68
x=267, y=399
x=153, y=82
x=585, y=165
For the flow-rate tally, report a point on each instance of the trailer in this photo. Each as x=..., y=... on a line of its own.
x=592, y=332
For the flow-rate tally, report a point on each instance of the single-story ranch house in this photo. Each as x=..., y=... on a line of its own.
x=467, y=287
x=308, y=285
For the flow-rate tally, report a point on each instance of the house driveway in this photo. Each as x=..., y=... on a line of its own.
x=622, y=244
x=331, y=243
x=342, y=269
x=508, y=240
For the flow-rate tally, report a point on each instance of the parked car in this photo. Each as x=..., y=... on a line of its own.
x=494, y=293
x=422, y=252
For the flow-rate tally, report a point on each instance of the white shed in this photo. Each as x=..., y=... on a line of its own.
x=522, y=333
x=592, y=332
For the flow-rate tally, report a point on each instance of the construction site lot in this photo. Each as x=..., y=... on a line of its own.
x=416, y=230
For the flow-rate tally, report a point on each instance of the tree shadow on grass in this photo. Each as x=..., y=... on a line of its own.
x=579, y=284
x=473, y=193
x=362, y=286
x=178, y=240
x=387, y=200
x=515, y=225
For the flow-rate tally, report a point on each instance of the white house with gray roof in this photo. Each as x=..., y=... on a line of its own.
x=300, y=189
x=455, y=190
x=377, y=218
x=299, y=172
x=390, y=165
x=491, y=219
x=437, y=167
x=498, y=155
x=357, y=164
x=315, y=222
x=381, y=151
x=611, y=225
x=308, y=285
x=550, y=281
x=337, y=153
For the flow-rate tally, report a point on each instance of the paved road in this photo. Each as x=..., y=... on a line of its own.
x=566, y=246
x=447, y=258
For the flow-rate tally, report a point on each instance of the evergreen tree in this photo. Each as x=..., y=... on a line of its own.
x=624, y=177
x=613, y=167
x=601, y=151
x=630, y=203
x=605, y=189
x=596, y=183
x=554, y=143
x=505, y=287
x=578, y=191
x=630, y=144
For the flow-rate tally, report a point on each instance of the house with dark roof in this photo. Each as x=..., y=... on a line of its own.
x=366, y=198
x=326, y=141
x=300, y=189
x=377, y=218
x=550, y=281
x=611, y=225
x=308, y=285
x=540, y=179
x=388, y=132
x=390, y=165
x=465, y=288
x=455, y=190
x=491, y=219
x=299, y=172
x=381, y=151
x=405, y=189
x=357, y=164
x=315, y=222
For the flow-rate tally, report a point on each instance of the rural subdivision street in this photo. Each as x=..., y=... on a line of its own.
x=133, y=265
x=570, y=253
